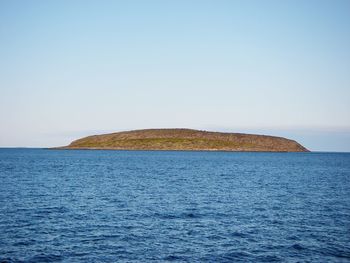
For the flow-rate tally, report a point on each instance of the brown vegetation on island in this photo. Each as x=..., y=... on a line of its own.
x=187, y=140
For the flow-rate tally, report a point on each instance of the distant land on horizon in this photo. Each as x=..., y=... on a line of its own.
x=186, y=140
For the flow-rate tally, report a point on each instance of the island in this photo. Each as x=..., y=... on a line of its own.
x=186, y=140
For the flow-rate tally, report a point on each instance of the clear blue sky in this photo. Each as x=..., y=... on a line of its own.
x=74, y=68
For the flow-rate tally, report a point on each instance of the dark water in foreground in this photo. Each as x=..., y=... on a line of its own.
x=108, y=206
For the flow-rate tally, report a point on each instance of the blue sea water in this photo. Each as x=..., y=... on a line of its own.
x=161, y=206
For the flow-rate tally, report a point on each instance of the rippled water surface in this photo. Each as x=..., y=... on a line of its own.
x=141, y=206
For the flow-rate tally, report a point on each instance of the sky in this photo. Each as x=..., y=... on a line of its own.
x=75, y=68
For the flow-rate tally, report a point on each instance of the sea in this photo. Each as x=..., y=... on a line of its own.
x=173, y=206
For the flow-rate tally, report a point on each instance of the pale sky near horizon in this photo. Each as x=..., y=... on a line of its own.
x=75, y=68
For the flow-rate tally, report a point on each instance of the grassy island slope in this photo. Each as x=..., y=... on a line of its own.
x=186, y=139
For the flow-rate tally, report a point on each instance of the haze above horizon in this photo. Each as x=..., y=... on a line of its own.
x=75, y=68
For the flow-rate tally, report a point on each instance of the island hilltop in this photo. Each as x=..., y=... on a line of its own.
x=187, y=140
